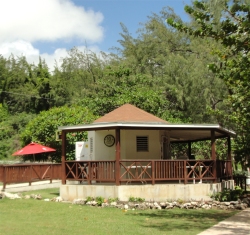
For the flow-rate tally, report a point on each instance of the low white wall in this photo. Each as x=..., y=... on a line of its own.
x=158, y=192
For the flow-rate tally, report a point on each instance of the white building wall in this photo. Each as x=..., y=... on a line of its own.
x=127, y=145
x=101, y=151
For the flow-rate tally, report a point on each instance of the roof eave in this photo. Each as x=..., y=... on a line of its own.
x=105, y=126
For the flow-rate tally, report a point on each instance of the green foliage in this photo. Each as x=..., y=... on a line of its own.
x=136, y=199
x=228, y=195
x=201, y=149
x=240, y=173
x=113, y=199
x=25, y=87
x=99, y=200
x=120, y=87
x=228, y=23
x=176, y=63
x=42, y=129
x=11, y=126
x=89, y=199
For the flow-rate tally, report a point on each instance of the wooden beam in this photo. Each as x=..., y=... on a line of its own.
x=213, y=155
x=213, y=150
x=117, y=157
x=229, y=153
x=63, y=157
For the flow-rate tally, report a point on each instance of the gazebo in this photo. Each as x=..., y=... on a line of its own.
x=128, y=153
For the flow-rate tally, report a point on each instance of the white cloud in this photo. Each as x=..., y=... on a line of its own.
x=24, y=48
x=24, y=22
x=48, y=20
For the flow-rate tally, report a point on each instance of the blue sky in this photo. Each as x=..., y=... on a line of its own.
x=51, y=27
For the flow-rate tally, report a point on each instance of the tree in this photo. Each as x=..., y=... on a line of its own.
x=77, y=75
x=120, y=86
x=42, y=129
x=11, y=126
x=176, y=64
x=25, y=87
x=228, y=22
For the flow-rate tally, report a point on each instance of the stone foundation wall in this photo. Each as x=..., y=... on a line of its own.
x=158, y=192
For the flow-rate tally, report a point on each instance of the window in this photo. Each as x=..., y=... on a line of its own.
x=142, y=143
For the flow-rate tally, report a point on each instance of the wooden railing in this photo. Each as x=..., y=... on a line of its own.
x=148, y=171
x=99, y=171
x=141, y=171
x=28, y=173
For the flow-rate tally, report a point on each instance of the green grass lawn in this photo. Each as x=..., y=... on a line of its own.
x=29, y=216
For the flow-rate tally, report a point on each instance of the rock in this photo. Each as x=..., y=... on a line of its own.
x=11, y=195
x=125, y=207
x=205, y=206
x=46, y=199
x=105, y=204
x=94, y=203
x=27, y=197
x=142, y=206
x=38, y=197
x=234, y=202
x=120, y=206
x=58, y=199
x=240, y=207
x=78, y=201
x=162, y=204
x=113, y=203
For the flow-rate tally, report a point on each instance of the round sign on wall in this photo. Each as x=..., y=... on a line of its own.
x=109, y=140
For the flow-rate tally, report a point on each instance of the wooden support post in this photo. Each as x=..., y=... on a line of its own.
x=213, y=155
x=90, y=173
x=63, y=157
x=185, y=172
x=153, y=172
x=117, y=157
x=51, y=173
x=30, y=167
x=229, y=156
x=4, y=178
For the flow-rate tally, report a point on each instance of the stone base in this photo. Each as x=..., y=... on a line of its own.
x=157, y=192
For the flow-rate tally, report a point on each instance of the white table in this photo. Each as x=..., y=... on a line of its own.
x=142, y=172
x=200, y=168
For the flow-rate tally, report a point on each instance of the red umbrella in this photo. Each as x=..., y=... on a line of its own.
x=33, y=148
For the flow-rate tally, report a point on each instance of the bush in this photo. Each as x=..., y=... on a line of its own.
x=228, y=195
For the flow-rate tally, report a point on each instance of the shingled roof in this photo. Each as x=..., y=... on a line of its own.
x=129, y=113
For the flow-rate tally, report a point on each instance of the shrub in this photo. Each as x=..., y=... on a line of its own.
x=228, y=195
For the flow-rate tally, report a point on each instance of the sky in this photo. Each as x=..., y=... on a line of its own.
x=49, y=28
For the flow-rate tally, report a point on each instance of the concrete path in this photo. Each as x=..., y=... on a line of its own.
x=238, y=224
x=24, y=187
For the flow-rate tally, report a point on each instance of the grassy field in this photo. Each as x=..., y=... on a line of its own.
x=29, y=216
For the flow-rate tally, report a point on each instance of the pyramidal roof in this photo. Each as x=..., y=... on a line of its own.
x=129, y=113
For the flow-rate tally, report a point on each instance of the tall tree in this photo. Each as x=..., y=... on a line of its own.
x=177, y=64
x=228, y=22
x=25, y=87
